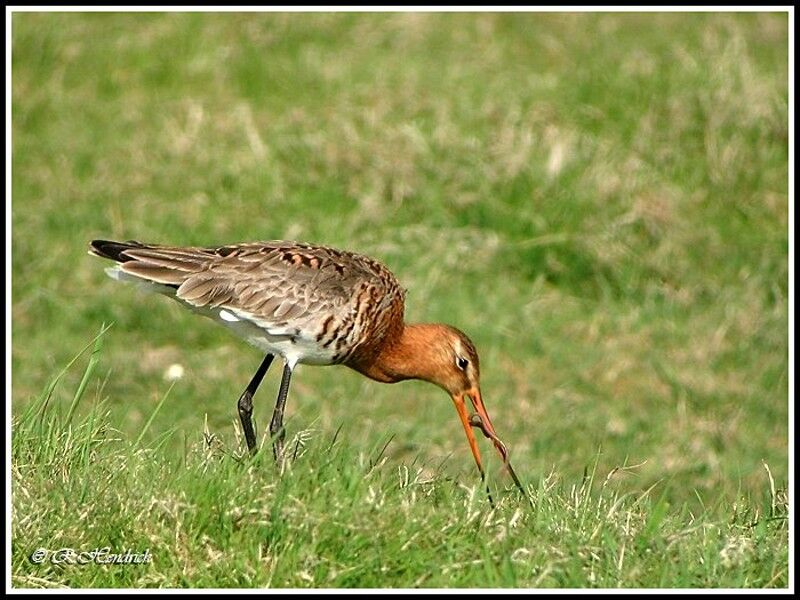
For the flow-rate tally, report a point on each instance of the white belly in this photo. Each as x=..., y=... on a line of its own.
x=293, y=348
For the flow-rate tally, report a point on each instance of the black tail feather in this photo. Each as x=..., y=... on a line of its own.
x=113, y=250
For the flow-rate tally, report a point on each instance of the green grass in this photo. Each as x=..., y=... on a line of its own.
x=600, y=201
x=331, y=515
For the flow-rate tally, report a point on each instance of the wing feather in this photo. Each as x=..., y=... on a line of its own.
x=153, y=272
x=269, y=283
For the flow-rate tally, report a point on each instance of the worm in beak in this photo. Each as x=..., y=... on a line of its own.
x=481, y=421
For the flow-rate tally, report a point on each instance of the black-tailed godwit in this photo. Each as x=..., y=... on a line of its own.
x=311, y=305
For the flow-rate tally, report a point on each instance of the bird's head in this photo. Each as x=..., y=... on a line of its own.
x=445, y=356
x=459, y=375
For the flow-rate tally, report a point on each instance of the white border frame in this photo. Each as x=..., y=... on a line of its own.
x=10, y=10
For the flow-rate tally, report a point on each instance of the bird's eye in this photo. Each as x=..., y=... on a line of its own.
x=462, y=363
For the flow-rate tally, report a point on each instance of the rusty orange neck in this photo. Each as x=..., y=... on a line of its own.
x=409, y=355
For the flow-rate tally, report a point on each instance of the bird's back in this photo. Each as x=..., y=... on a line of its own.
x=313, y=304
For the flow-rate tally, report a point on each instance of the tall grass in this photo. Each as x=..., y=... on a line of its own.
x=332, y=516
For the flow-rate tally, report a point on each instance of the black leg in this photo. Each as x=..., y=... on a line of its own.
x=246, y=403
x=276, y=425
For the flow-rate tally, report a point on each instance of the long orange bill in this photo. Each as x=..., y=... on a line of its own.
x=473, y=443
x=488, y=428
x=484, y=423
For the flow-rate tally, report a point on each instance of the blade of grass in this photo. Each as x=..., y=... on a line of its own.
x=51, y=386
x=93, y=359
x=152, y=416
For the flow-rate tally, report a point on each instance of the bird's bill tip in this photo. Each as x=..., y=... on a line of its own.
x=485, y=422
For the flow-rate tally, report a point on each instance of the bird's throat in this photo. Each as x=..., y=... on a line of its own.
x=407, y=356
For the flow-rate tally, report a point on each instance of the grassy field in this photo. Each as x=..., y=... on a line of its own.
x=600, y=201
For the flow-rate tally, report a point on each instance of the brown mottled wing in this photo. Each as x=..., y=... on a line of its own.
x=168, y=266
x=285, y=287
